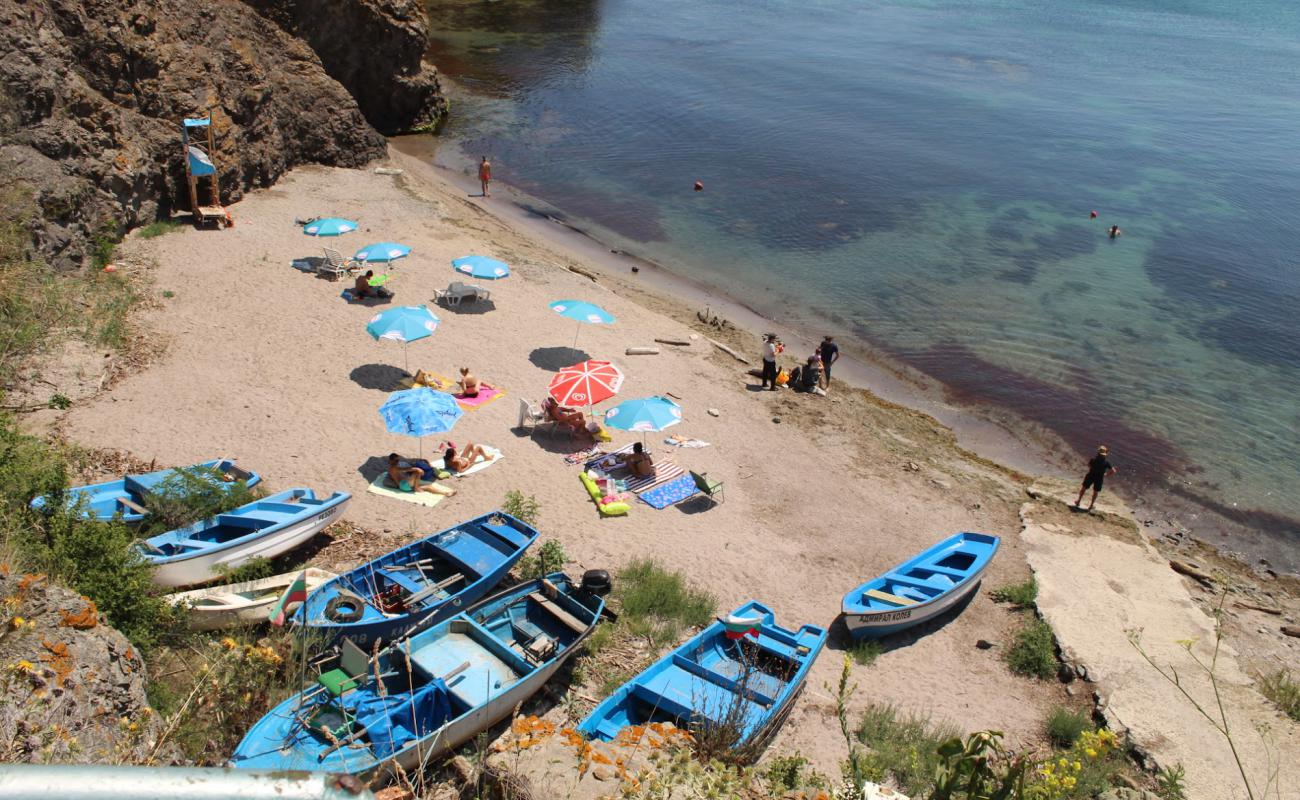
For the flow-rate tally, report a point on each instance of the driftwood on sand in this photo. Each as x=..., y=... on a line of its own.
x=641, y=351
x=677, y=342
x=1183, y=568
x=729, y=351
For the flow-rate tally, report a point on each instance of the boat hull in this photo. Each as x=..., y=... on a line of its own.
x=203, y=566
x=102, y=499
x=238, y=610
x=874, y=625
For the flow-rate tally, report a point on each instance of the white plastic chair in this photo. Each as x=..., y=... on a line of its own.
x=335, y=265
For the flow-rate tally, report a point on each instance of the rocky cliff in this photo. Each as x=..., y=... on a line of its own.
x=94, y=93
x=72, y=689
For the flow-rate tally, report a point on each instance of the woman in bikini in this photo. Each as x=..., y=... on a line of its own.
x=469, y=384
x=469, y=454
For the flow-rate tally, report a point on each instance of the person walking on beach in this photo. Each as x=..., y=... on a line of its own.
x=771, y=346
x=485, y=175
x=1098, y=469
x=830, y=353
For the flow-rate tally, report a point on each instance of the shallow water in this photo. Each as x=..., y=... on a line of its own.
x=919, y=175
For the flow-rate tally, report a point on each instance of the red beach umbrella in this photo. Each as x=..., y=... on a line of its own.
x=586, y=384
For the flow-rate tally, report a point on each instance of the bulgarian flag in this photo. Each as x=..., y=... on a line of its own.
x=296, y=593
x=740, y=627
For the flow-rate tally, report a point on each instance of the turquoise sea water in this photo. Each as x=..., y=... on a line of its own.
x=919, y=175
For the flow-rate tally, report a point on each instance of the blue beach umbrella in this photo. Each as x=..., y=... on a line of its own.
x=382, y=252
x=481, y=267
x=582, y=311
x=644, y=414
x=406, y=324
x=419, y=412
x=330, y=226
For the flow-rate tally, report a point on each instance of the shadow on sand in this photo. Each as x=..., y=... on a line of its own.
x=380, y=377
x=556, y=358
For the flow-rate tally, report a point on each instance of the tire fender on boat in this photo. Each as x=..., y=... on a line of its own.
x=344, y=607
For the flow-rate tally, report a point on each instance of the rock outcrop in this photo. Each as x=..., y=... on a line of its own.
x=362, y=39
x=72, y=688
x=94, y=93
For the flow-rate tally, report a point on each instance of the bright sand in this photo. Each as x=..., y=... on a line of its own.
x=268, y=364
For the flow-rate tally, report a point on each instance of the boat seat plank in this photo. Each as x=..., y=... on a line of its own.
x=729, y=682
x=955, y=573
x=573, y=623
x=437, y=588
x=890, y=598
x=398, y=578
x=686, y=695
x=507, y=533
x=131, y=505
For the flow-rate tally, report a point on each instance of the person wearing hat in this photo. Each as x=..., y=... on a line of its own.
x=1098, y=468
x=771, y=348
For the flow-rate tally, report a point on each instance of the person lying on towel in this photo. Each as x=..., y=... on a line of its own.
x=465, y=459
x=406, y=476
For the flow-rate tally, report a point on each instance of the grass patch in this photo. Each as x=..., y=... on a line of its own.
x=1033, y=651
x=1018, y=595
x=254, y=569
x=526, y=508
x=902, y=747
x=159, y=228
x=1283, y=690
x=656, y=603
x=550, y=557
x=1064, y=727
x=865, y=652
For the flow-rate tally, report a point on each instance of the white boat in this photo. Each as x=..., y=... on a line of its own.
x=261, y=529
x=246, y=603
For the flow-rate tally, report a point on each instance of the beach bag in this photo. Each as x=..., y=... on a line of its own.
x=782, y=378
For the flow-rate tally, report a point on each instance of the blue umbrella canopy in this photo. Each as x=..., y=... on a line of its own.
x=382, y=252
x=644, y=414
x=481, y=267
x=582, y=311
x=330, y=226
x=420, y=412
x=405, y=324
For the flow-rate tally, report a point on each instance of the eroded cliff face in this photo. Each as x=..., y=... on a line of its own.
x=95, y=92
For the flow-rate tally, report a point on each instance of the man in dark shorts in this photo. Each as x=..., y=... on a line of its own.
x=1098, y=469
x=830, y=353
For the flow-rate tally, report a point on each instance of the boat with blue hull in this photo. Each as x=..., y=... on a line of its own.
x=921, y=588
x=743, y=670
x=426, y=694
x=129, y=496
x=427, y=580
x=261, y=529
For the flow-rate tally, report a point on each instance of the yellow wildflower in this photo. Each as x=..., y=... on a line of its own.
x=1091, y=753
x=229, y=644
x=23, y=666
x=1078, y=765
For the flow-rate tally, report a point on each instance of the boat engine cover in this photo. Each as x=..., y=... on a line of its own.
x=597, y=582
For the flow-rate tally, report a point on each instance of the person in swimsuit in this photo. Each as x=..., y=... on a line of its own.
x=638, y=462
x=1115, y=232
x=469, y=385
x=465, y=459
x=406, y=477
x=485, y=175
x=1098, y=469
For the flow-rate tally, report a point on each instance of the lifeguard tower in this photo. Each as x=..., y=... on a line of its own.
x=196, y=136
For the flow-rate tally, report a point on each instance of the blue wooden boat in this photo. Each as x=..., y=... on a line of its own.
x=921, y=588
x=129, y=496
x=424, y=581
x=743, y=670
x=441, y=687
x=261, y=529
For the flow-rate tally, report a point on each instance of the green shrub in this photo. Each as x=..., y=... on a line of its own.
x=103, y=244
x=784, y=774
x=657, y=603
x=1169, y=783
x=159, y=228
x=902, y=747
x=190, y=495
x=1283, y=690
x=526, y=508
x=866, y=652
x=1019, y=595
x=253, y=569
x=1033, y=651
x=1065, y=726
x=550, y=558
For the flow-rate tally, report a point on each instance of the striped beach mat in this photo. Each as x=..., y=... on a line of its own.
x=665, y=471
x=601, y=456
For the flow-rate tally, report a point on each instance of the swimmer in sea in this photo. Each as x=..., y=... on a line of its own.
x=1115, y=232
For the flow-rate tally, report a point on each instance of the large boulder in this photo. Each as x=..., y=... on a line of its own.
x=95, y=91
x=72, y=689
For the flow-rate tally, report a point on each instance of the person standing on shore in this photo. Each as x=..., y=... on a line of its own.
x=771, y=346
x=1098, y=469
x=830, y=353
x=485, y=175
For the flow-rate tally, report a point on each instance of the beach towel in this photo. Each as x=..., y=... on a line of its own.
x=477, y=466
x=677, y=440
x=442, y=383
x=583, y=456
x=601, y=455
x=665, y=470
x=420, y=498
x=670, y=493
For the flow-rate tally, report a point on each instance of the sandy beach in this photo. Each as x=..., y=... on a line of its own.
x=269, y=364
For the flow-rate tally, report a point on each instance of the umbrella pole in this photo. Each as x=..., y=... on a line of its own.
x=406, y=358
x=576, y=331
